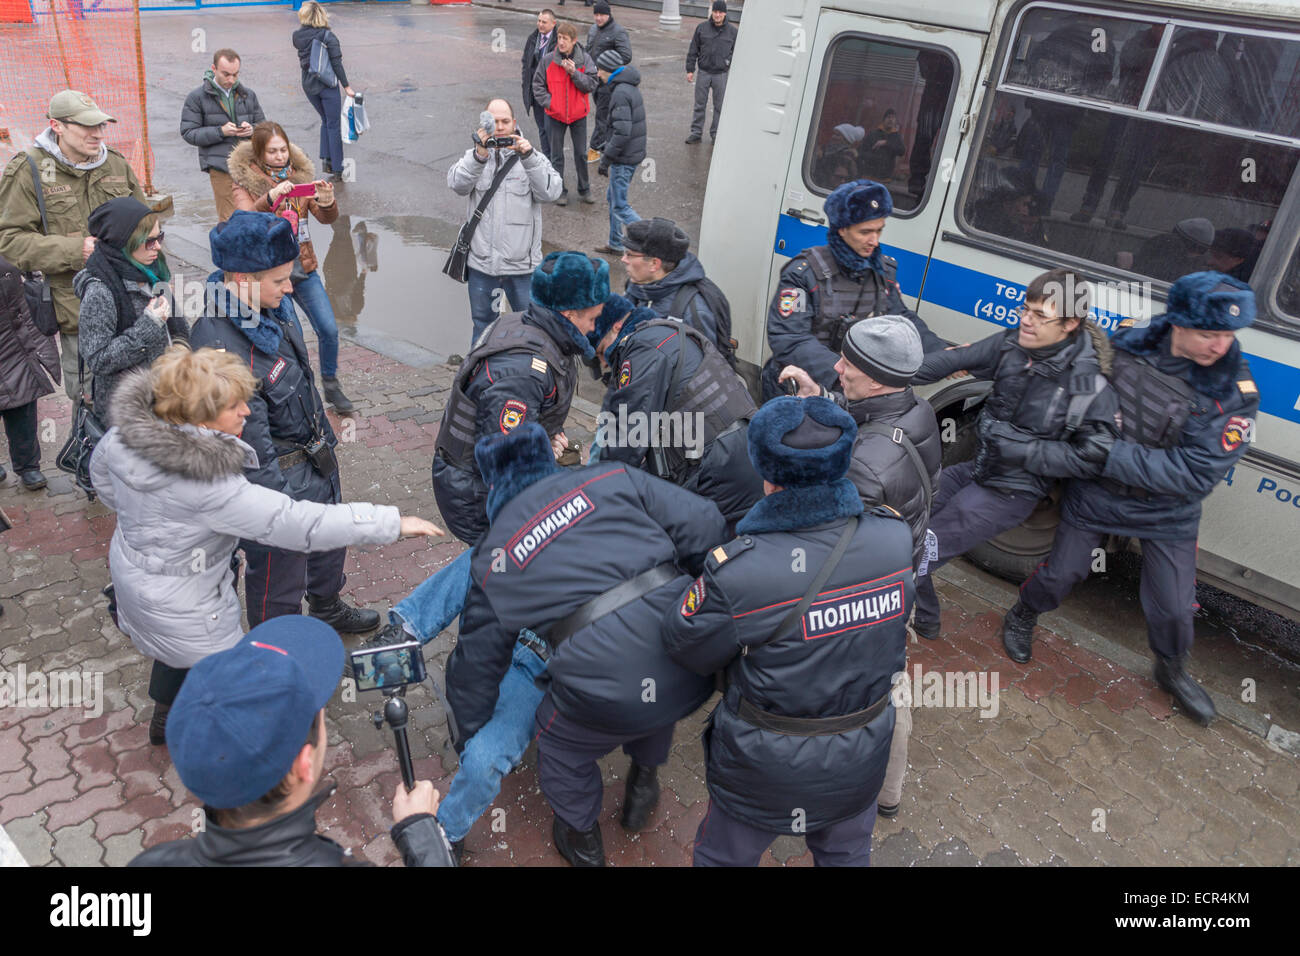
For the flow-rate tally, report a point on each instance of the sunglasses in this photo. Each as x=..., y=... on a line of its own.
x=155, y=242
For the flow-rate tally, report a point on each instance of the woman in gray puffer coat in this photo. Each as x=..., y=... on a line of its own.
x=172, y=467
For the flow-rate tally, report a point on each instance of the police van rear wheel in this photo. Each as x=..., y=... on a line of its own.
x=1016, y=553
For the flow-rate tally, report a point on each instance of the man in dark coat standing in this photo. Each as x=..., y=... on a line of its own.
x=711, y=48
x=539, y=43
x=801, y=738
x=246, y=312
x=625, y=146
x=219, y=113
x=605, y=35
x=1188, y=403
x=591, y=560
x=28, y=360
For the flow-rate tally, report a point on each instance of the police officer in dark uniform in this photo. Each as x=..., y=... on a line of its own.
x=825, y=289
x=590, y=559
x=1051, y=415
x=246, y=313
x=521, y=370
x=663, y=370
x=801, y=738
x=1188, y=403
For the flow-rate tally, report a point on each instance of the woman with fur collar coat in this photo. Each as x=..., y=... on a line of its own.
x=263, y=171
x=172, y=467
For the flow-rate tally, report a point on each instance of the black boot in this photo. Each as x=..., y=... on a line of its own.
x=342, y=616
x=457, y=850
x=1018, y=633
x=640, y=796
x=1191, y=697
x=579, y=847
x=334, y=395
x=158, y=724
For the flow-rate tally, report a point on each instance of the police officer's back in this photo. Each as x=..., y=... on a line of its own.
x=674, y=407
x=806, y=611
x=825, y=289
x=590, y=559
x=521, y=370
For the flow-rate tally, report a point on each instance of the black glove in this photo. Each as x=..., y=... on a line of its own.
x=603, y=168
x=1095, y=449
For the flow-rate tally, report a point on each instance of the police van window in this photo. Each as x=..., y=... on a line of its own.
x=1288, y=292
x=1138, y=147
x=880, y=116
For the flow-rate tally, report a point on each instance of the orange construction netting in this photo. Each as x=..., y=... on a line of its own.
x=87, y=45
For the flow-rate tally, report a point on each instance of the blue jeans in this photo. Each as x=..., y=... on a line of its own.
x=483, y=290
x=328, y=103
x=310, y=296
x=436, y=602
x=620, y=212
x=497, y=748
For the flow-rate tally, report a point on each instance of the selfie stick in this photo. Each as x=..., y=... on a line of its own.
x=395, y=713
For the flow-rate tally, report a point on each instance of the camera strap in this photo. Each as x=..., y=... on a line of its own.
x=497, y=180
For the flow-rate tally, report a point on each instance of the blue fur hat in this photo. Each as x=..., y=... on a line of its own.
x=798, y=442
x=1210, y=301
x=511, y=462
x=616, y=306
x=856, y=202
x=570, y=280
x=252, y=242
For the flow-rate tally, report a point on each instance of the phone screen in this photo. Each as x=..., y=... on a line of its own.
x=382, y=668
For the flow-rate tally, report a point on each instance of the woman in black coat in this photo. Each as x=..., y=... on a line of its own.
x=324, y=99
x=28, y=360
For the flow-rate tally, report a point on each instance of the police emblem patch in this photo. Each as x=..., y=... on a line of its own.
x=277, y=370
x=512, y=413
x=625, y=373
x=1238, y=430
x=789, y=301
x=694, y=598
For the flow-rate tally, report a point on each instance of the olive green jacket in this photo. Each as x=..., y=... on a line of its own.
x=70, y=195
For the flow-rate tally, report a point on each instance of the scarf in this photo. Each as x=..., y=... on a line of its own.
x=849, y=260
x=225, y=97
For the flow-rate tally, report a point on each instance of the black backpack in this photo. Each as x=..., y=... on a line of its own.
x=717, y=302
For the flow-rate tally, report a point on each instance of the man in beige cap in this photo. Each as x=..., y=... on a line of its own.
x=77, y=171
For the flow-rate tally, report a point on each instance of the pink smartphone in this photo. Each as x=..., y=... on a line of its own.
x=305, y=189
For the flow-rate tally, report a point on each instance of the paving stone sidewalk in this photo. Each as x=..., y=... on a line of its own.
x=1083, y=762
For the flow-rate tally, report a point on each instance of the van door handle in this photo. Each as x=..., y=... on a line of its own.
x=807, y=215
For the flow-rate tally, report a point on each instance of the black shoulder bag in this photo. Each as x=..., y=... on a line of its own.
x=36, y=288
x=87, y=430
x=458, y=262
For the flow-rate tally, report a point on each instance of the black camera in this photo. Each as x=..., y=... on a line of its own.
x=322, y=457
x=498, y=142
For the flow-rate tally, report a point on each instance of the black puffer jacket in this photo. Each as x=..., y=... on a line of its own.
x=302, y=38
x=612, y=36
x=25, y=354
x=837, y=660
x=711, y=47
x=292, y=840
x=1021, y=431
x=882, y=470
x=203, y=115
x=627, y=127
x=557, y=544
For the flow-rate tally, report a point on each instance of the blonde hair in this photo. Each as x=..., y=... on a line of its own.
x=190, y=388
x=313, y=14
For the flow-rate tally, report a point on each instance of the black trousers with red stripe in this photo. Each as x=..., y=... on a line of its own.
x=276, y=580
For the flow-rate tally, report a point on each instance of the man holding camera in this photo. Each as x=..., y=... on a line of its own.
x=825, y=289
x=507, y=243
x=235, y=736
x=246, y=312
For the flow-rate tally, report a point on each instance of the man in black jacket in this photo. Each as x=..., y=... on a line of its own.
x=825, y=289
x=711, y=48
x=521, y=370
x=1051, y=415
x=215, y=117
x=611, y=684
x=625, y=145
x=605, y=36
x=674, y=407
x=801, y=738
x=235, y=736
x=246, y=313
x=539, y=43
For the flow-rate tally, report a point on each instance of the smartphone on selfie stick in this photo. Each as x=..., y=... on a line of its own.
x=390, y=669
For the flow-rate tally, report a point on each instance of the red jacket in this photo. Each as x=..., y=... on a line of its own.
x=564, y=96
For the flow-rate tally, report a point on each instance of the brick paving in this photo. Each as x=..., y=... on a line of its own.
x=1083, y=764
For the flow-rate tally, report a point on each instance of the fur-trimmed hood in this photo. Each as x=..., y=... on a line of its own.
x=247, y=171
x=189, y=451
x=1100, y=345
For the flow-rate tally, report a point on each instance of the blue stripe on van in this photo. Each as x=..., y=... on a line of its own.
x=977, y=294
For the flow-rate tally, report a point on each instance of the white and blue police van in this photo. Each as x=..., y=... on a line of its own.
x=1132, y=142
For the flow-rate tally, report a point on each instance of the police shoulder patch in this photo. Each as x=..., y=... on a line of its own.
x=1238, y=430
x=625, y=373
x=1127, y=323
x=539, y=365
x=1248, y=387
x=277, y=370
x=727, y=552
x=694, y=598
x=790, y=300
x=512, y=413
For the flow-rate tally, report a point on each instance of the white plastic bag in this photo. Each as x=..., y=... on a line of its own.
x=353, y=120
